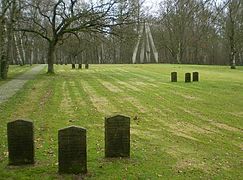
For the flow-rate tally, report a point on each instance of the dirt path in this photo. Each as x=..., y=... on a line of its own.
x=10, y=88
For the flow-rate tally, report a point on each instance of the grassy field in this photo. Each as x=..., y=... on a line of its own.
x=178, y=130
x=15, y=70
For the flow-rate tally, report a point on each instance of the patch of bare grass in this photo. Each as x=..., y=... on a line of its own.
x=190, y=164
x=237, y=114
x=186, y=130
x=193, y=113
x=34, y=96
x=186, y=96
x=102, y=104
x=226, y=127
x=135, y=102
x=127, y=85
x=111, y=87
x=66, y=103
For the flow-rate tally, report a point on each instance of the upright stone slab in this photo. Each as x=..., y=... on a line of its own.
x=20, y=142
x=188, y=77
x=174, y=77
x=72, y=150
x=73, y=66
x=195, y=76
x=117, y=136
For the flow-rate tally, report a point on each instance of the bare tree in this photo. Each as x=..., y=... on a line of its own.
x=231, y=27
x=54, y=20
x=6, y=34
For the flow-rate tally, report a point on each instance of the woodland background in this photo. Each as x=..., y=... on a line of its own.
x=103, y=32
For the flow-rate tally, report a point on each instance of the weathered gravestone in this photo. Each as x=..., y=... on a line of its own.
x=188, y=77
x=174, y=77
x=117, y=136
x=195, y=76
x=20, y=142
x=72, y=150
x=73, y=66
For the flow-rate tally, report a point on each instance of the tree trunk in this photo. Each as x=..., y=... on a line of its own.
x=2, y=44
x=233, y=9
x=142, y=52
x=22, y=50
x=101, y=59
x=6, y=40
x=232, y=46
x=18, y=56
x=5, y=60
x=179, y=54
x=32, y=53
x=233, y=61
x=50, y=57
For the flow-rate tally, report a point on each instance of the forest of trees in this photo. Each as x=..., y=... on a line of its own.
x=120, y=31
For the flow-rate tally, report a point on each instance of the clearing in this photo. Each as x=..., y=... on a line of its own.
x=178, y=130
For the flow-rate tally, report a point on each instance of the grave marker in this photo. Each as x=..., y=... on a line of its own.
x=117, y=136
x=73, y=66
x=195, y=77
x=188, y=77
x=174, y=77
x=72, y=150
x=20, y=142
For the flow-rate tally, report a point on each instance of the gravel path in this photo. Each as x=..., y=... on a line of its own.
x=10, y=88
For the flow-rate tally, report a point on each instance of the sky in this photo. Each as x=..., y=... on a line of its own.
x=154, y=4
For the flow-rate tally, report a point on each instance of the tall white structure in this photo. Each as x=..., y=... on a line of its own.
x=145, y=46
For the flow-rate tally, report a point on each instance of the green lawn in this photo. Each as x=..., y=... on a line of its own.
x=15, y=70
x=178, y=130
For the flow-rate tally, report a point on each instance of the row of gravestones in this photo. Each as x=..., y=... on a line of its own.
x=195, y=77
x=80, y=66
x=72, y=144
